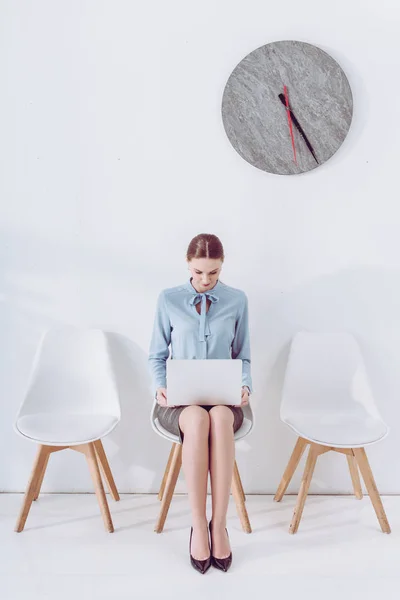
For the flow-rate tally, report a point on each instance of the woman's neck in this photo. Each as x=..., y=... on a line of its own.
x=202, y=292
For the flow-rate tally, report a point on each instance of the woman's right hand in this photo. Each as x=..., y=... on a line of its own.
x=162, y=396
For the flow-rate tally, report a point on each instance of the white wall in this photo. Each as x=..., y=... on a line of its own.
x=114, y=156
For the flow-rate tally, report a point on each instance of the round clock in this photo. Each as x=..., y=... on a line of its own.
x=287, y=107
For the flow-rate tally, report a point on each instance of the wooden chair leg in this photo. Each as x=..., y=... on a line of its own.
x=238, y=495
x=38, y=467
x=291, y=468
x=355, y=476
x=169, y=487
x=90, y=452
x=40, y=479
x=105, y=467
x=370, y=484
x=305, y=484
x=236, y=470
x=167, y=468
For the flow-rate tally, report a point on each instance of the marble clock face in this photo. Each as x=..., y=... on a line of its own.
x=287, y=107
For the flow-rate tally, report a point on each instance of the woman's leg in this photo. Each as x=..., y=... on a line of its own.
x=195, y=424
x=222, y=456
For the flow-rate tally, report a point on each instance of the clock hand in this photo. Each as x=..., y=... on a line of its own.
x=290, y=122
x=297, y=124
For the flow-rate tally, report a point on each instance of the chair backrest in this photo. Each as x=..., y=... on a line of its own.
x=72, y=373
x=326, y=372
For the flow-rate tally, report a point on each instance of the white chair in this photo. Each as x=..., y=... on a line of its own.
x=174, y=463
x=71, y=402
x=327, y=401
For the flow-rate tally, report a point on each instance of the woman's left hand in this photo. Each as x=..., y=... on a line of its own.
x=245, y=396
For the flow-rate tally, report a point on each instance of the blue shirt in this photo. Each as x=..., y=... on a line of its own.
x=222, y=332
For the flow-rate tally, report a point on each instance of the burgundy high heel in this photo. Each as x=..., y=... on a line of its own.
x=220, y=563
x=200, y=565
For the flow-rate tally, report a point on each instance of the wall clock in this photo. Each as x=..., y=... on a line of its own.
x=287, y=107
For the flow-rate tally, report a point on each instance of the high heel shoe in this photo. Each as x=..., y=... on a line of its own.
x=220, y=563
x=200, y=565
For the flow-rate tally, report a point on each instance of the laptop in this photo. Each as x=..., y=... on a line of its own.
x=204, y=381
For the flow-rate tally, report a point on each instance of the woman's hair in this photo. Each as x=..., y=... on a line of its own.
x=205, y=245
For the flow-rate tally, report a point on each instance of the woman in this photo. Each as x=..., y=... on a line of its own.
x=206, y=432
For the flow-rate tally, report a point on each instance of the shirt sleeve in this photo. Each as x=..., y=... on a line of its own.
x=159, y=345
x=241, y=343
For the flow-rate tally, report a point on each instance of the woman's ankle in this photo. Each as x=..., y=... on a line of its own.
x=218, y=523
x=199, y=522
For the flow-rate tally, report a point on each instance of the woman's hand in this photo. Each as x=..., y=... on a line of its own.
x=162, y=396
x=245, y=396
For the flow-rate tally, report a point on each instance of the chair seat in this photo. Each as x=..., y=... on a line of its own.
x=244, y=429
x=65, y=429
x=338, y=430
x=165, y=433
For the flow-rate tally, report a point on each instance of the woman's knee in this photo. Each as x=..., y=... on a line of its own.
x=194, y=418
x=221, y=416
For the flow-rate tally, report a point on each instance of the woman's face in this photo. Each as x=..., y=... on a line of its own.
x=205, y=272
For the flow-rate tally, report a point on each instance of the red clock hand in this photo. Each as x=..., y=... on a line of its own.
x=290, y=122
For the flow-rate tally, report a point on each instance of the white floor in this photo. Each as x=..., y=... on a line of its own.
x=64, y=552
